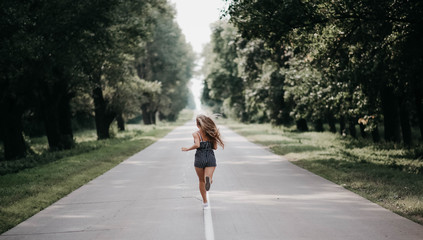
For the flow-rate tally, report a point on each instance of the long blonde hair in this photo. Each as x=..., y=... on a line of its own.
x=209, y=128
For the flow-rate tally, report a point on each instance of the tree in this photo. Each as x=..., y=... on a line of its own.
x=167, y=59
x=38, y=65
x=103, y=62
x=54, y=51
x=221, y=71
x=368, y=49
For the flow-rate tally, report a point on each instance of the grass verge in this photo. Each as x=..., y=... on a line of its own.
x=53, y=175
x=387, y=175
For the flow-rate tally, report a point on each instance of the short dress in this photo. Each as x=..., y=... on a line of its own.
x=204, y=156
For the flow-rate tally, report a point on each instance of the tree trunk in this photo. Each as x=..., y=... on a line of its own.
x=331, y=122
x=153, y=117
x=13, y=141
x=65, y=123
x=418, y=96
x=51, y=125
x=148, y=117
x=391, y=116
x=103, y=118
x=362, y=130
x=120, y=122
x=351, y=128
x=405, y=122
x=57, y=124
x=1, y=127
x=373, y=103
x=375, y=134
x=145, y=115
x=302, y=125
x=157, y=117
x=56, y=112
x=342, y=125
x=318, y=125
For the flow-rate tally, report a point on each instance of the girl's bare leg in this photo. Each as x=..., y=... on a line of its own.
x=202, y=183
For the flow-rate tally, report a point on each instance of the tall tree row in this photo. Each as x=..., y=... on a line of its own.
x=57, y=58
x=168, y=59
x=341, y=63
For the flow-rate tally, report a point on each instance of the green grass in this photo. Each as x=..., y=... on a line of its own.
x=386, y=174
x=27, y=188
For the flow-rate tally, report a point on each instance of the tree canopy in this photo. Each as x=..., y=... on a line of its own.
x=351, y=62
x=59, y=59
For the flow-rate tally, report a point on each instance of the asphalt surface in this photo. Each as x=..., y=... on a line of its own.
x=255, y=195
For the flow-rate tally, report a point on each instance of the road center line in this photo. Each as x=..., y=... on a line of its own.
x=208, y=221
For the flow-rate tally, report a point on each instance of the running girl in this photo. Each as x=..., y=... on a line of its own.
x=205, y=141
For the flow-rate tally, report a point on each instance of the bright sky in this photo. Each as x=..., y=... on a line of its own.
x=194, y=18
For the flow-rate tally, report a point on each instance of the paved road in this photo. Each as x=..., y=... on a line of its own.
x=255, y=195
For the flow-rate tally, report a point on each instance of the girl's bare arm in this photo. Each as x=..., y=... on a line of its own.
x=196, y=143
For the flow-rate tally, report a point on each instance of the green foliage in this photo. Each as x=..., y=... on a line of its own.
x=168, y=59
x=221, y=72
x=263, y=82
x=351, y=61
x=69, y=58
x=242, y=80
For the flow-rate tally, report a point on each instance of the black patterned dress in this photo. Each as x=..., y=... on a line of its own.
x=204, y=156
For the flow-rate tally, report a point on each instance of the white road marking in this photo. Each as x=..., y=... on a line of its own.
x=208, y=221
